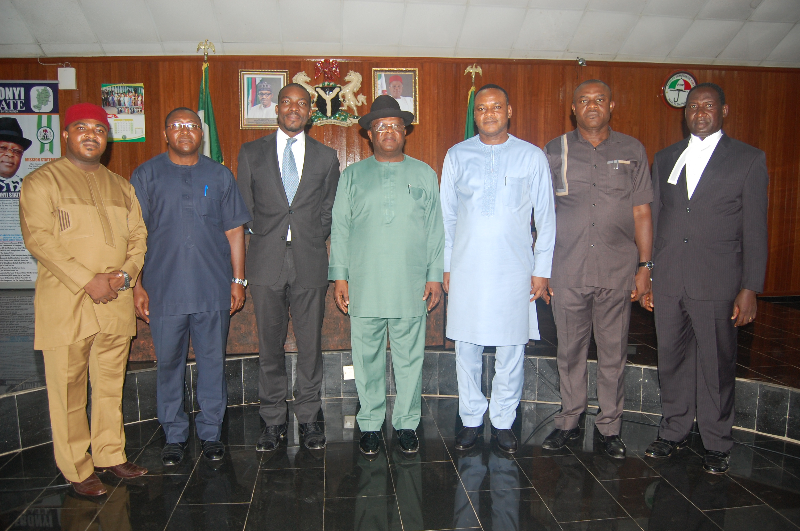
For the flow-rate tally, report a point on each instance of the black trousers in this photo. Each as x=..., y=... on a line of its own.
x=272, y=306
x=696, y=368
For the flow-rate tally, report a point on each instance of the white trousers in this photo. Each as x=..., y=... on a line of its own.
x=506, y=384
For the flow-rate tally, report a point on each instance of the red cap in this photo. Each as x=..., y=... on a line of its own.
x=395, y=78
x=83, y=111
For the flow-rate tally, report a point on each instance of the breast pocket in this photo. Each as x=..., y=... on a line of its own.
x=618, y=177
x=514, y=191
x=76, y=221
x=209, y=204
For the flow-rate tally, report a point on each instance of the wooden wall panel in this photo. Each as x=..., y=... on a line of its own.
x=762, y=113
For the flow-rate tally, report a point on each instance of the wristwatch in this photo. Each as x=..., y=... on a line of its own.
x=127, y=283
x=649, y=264
x=241, y=281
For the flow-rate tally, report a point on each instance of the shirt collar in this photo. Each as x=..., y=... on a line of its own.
x=283, y=137
x=613, y=137
x=710, y=141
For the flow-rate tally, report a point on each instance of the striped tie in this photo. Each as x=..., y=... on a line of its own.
x=289, y=175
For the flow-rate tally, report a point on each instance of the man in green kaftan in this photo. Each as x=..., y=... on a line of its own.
x=387, y=242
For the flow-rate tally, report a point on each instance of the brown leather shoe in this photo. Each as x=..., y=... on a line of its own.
x=126, y=470
x=91, y=486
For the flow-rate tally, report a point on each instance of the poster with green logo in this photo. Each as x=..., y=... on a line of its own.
x=29, y=128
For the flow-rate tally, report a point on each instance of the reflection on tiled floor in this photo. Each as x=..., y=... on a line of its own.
x=769, y=348
x=576, y=488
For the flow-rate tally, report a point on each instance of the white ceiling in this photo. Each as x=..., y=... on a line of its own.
x=727, y=32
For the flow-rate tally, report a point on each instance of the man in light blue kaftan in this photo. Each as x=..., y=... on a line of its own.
x=490, y=185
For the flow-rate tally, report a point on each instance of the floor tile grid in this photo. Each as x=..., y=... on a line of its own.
x=461, y=481
x=178, y=501
x=57, y=478
x=731, y=477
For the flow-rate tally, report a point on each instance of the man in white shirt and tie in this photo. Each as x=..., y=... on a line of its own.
x=710, y=258
x=288, y=182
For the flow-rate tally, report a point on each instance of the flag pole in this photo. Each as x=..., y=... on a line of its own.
x=469, y=125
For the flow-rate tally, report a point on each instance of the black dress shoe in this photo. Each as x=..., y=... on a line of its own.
x=612, y=445
x=506, y=440
x=661, y=448
x=271, y=438
x=408, y=441
x=313, y=435
x=370, y=443
x=172, y=453
x=716, y=462
x=213, y=450
x=559, y=438
x=467, y=437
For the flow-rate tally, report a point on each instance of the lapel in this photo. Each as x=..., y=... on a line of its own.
x=308, y=167
x=709, y=172
x=272, y=171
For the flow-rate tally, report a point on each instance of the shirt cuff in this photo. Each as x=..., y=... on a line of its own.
x=338, y=273
x=82, y=277
x=434, y=275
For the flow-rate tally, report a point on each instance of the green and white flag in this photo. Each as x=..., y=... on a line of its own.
x=469, y=127
x=211, y=147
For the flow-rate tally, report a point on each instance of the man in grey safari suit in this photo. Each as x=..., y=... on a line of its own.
x=288, y=181
x=710, y=256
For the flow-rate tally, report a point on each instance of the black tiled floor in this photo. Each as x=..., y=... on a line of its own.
x=576, y=488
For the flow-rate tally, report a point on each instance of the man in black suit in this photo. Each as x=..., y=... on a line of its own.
x=710, y=256
x=288, y=181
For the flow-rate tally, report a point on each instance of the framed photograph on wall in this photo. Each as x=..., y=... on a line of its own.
x=400, y=83
x=258, y=92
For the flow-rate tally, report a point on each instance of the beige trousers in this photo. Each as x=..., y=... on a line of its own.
x=65, y=368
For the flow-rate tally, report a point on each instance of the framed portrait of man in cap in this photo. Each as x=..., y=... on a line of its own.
x=401, y=84
x=258, y=94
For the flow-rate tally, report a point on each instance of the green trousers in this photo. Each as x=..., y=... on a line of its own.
x=368, y=339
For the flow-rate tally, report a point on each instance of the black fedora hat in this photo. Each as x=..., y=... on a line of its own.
x=10, y=131
x=385, y=107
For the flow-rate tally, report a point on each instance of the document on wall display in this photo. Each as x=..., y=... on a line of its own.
x=124, y=103
x=29, y=126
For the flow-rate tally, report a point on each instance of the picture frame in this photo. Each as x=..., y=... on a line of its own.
x=406, y=91
x=253, y=113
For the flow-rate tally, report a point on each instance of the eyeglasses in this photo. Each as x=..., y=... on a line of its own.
x=14, y=151
x=177, y=126
x=382, y=127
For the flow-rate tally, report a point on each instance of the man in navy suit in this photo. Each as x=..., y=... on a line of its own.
x=710, y=256
x=288, y=181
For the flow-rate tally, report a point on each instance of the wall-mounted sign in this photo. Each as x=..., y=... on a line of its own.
x=124, y=103
x=677, y=87
x=29, y=138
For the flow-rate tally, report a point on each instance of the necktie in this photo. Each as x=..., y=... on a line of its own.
x=289, y=175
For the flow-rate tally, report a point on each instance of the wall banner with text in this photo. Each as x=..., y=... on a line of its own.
x=29, y=138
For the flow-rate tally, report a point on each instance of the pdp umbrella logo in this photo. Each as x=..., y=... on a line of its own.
x=677, y=88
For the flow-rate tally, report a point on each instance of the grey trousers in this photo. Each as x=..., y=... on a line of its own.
x=576, y=312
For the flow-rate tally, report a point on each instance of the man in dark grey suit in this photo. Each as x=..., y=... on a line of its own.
x=710, y=255
x=288, y=181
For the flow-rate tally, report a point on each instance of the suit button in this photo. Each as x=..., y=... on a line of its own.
x=592, y=224
x=291, y=212
x=595, y=165
x=592, y=245
x=688, y=209
x=686, y=240
x=593, y=184
x=283, y=238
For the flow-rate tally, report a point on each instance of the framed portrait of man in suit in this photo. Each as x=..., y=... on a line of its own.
x=258, y=92
x=400, y=83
